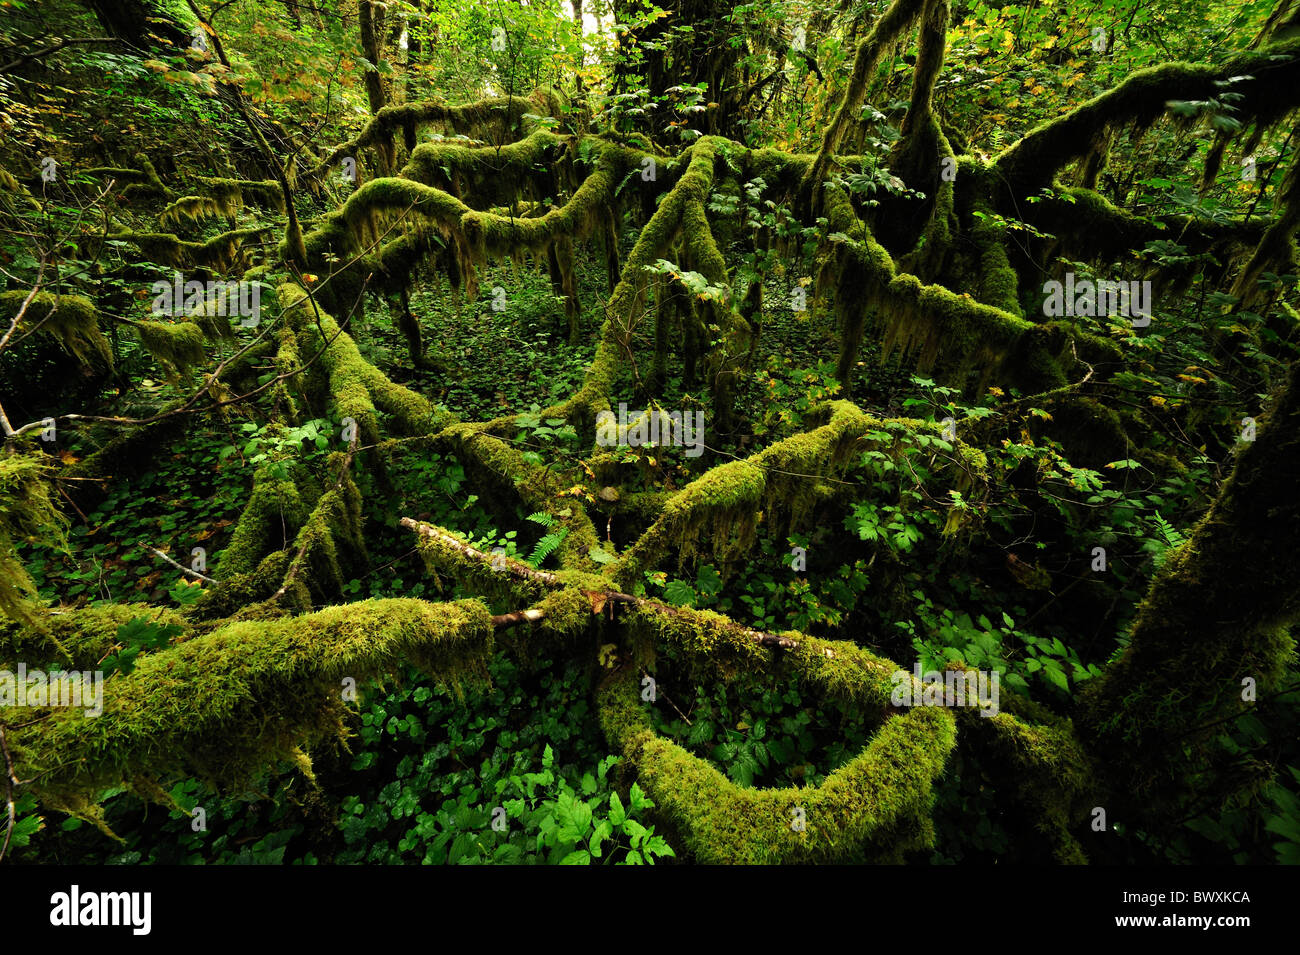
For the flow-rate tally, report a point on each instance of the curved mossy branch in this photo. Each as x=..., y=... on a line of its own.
x=1086, y=226
x=949, y=333
x=874, y=808
x=356, y=387
x=895, y=21
x=724, y=502
x=142, y=183
x=488, y=175
x=1214, y=615
x=426, y=211
x=500, y=236
x=476, y=118
x=1026, y=736
x=223, y=705
x=538, y=488
x=917, y=156
x=179, y=347
x=1032, y=162
x=621, y=312
x=1036, y=754
x=270, y=519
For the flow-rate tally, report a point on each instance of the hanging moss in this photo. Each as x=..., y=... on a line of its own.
x=70, y=319
x=496, y=116
x=942, y=332
x=27, y=514
x=221, y=253
x=224, y=705
x=222, y=197
x=722, y=505
x=178, y=347
x=1140, y=100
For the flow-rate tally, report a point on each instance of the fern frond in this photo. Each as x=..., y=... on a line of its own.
x=547, y=546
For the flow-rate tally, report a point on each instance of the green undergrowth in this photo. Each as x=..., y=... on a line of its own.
x=425, y=772
x=760, y=730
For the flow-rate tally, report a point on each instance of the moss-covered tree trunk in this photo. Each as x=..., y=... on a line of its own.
x=1216, y=615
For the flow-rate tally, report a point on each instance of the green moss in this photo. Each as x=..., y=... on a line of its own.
x=179, y=346
x=874, y=808
x=272, y=515
x=722, y=505
x=223, y=705
x=538, y=488
x=1033, y=161
x=74, y=638
x=1214, y=615
x=70, y=319
x=27, y=513
x=356, y=387
x=221, y=253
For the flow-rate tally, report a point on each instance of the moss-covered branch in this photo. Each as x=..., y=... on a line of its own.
x=223, y=705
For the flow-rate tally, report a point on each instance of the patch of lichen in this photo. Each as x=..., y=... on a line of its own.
x=875, y=807
x=224, y=705
x=70, y=319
